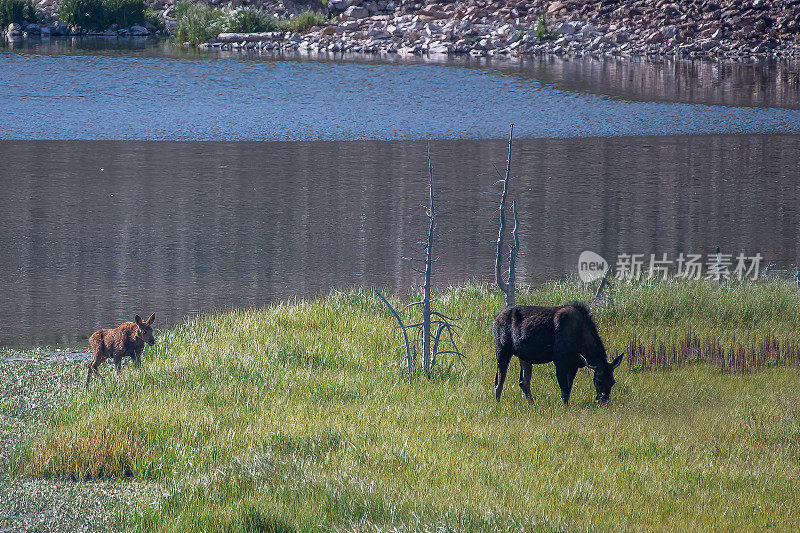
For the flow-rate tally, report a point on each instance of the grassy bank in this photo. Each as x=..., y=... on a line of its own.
x=34, y=383
x=300, y=417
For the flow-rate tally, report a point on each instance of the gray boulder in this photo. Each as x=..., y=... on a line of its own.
x=59, y=28
x=378, y=33
x=138, y=31
x=708, y=45
x=356, y=12
x=565, y=28
x=622, y=36
x=338, y=5
x=372, y=7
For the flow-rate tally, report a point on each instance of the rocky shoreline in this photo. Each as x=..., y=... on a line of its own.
x=15, y=31
x=725, y=29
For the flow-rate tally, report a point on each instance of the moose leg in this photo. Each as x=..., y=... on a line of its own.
x=565, y=375
x=92, y=370
x=503, y=359
x=525, y=371
x=99, y=357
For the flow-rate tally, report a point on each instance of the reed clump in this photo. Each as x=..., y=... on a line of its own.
x=734, y=355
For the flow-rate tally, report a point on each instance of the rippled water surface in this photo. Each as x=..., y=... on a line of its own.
x=63, y=92
x=95, y=230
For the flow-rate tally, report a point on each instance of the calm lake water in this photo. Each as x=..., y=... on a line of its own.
x=105, y=214
x=60, y=92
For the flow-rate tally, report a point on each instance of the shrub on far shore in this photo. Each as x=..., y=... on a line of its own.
x=542, y=31
x=101, y=14
x=198, y=23
x=305, y=20
x=154, y=17
x=249, y=20
x=18, y=11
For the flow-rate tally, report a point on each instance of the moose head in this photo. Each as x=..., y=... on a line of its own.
x=146, y=329
x=604, y=376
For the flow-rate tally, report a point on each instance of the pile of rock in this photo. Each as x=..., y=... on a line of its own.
x=688, y=28
x=685, y=28
x=15, y=32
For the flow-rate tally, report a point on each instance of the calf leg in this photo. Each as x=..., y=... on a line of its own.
x=99, y=356
x=525, y=371
x=137, y=359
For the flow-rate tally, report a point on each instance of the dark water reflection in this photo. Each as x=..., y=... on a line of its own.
x=94, y=231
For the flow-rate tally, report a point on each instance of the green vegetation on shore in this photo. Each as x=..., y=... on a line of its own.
x=301, y=417
x=199, y=23
x=17, y=11
x=101, y=14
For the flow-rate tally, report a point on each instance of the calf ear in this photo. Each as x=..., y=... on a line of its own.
x=616, y=362
x=151, y=319
x=138, y=320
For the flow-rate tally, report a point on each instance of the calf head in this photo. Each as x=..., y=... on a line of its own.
x=145, y=329
x=604, y=377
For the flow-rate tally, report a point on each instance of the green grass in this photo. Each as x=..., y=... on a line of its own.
x=18, y=11
x=198, y=23
x=156, y=18
x=304, y=21
x=300, y=417
x=542, y=31
x=101, y=14
x=34, y=383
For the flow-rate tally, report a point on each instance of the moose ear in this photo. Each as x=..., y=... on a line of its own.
x=151, y=319
x=138, y=320
x=616, y=362
x=585, y=362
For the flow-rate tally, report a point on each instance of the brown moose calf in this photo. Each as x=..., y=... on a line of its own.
x=126, y=340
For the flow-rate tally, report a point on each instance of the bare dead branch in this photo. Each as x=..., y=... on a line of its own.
x=413, y=304
x=512, y=256
x=450, y=332
x=437, y=313
x=426, y=299
x=436, y=344
x=508, y=288
x=497, y=171
x=409, y=359
x=598, y=295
